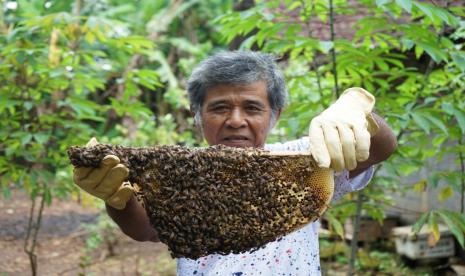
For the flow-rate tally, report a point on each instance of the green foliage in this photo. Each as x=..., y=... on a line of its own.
x=408, y=53
x=114, y=69
x=101, y=233
x=71, y=70
x=373, y=260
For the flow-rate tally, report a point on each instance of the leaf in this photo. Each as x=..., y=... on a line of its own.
x=407, y=43
x=448, y=108
x=6, y=191
x=454, y=228
x=459, y=59
x=426, y=9
x=458, y=218
x=418, y=51
x=445, y=16
x=420, y=186
x=47, y=196
x=380, y=3
x=41, y=138
x=436, y=122
x=445, y=193
x=294, y=5
x=326, y=46
x=405, y=4
x=437, y=54
x=420, y=222
x=435, y=235
x=336, y=224
x=26, y=138
x=460, y=116
x=421, y=121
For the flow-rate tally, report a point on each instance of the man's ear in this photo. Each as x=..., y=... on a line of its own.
x=191, y=109
x=276, y=117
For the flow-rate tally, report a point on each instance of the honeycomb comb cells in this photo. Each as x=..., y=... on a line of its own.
x=219, y=199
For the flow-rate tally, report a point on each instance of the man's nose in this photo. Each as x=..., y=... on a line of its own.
x=236, y=119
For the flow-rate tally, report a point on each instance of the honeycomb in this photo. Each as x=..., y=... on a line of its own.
x=220, y=199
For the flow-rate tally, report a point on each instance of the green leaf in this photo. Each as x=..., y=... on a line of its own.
x=459, y=59
x=436, y=53
x=459, y=218
x=405, y=4
x=326, y=46
x=445, y=193
x=434, y=228
x=460, y=116
x=47, y=196
x=420, y=222
x=426, y=9
x=420, y=186
x=41, y=138
x=26, y=138
x=407, y=43
x=446, y=16
x=381, y=3
x=336, y=224
x=6, y=191
x=421, y=121
x=437, y=122
x=454, y=228
x=448, y=108
x=418, y=51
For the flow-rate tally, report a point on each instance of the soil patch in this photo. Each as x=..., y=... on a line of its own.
x=61, y=246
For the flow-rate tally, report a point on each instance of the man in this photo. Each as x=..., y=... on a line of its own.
x=236, y=99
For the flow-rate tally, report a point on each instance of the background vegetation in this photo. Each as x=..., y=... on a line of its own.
x=73, y=69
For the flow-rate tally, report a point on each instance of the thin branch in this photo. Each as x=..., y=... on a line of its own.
x=318, y=82
x=77, y=7
x=34, y=223
x=462, y=177
x=354, y=241
x=314, y=66
x=3, y=26
x=333, y=50
x=29, y=224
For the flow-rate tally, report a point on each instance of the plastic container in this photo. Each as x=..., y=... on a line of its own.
x=415, y=246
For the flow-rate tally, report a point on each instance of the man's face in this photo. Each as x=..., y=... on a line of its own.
x=237, y=115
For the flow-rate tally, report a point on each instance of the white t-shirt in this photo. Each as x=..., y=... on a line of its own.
x=295, y=254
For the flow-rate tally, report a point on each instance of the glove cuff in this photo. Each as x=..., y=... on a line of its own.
x=373, y=126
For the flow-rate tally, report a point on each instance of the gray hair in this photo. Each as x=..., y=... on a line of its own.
x=237, y=67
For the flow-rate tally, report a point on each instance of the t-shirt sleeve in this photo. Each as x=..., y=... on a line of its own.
x=342, y=183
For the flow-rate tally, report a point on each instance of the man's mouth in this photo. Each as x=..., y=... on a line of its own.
x=236, y=140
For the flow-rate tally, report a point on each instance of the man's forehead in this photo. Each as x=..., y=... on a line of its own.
x=255, y=91
x=258, y=87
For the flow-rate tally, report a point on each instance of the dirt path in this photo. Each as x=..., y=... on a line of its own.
x=62, y=243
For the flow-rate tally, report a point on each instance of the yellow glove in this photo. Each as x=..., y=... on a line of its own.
x=107, y=181
x=340, y=135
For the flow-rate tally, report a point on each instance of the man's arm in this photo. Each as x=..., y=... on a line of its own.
x=382, y=145
x=133, y=221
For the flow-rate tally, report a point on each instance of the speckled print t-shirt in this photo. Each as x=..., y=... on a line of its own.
x=295, y=254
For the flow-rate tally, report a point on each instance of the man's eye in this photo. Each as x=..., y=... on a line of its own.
x=220, y=108
x=254, y=108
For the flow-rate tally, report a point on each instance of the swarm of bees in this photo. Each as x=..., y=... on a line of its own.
x=219, y=199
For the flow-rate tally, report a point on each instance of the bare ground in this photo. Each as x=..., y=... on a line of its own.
x=61, y=243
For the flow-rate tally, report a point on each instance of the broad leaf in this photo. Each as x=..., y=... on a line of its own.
x=445, y=193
